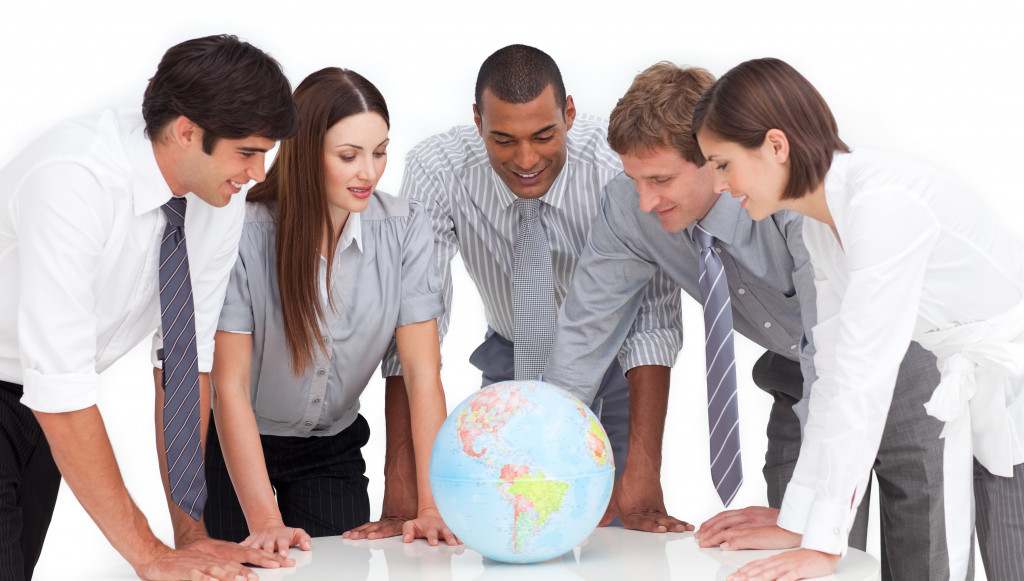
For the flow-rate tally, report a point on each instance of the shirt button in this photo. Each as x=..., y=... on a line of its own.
x=327, y=339
x=741, y=291
x=718, y=249
x=835, y=531
x=316, y=400
x=320, y=372
x=767, y=324
x=311, y=423
x=792, y=347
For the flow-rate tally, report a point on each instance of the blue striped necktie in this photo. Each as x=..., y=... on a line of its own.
x=723, y=411
x=533, y=293
x=180, y=367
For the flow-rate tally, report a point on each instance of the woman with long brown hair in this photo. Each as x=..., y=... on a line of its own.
x=900, y=252
x=329, y=270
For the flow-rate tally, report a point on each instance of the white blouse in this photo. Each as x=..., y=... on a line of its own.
x=916, y=254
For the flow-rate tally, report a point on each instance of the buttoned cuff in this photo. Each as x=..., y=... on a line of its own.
x=825, y=525
x=56, y=394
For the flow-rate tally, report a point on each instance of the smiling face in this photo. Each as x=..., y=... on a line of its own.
x=676, y=190
x=525, y=142
x=216, y=176
x=756, y=176
x=355, y=154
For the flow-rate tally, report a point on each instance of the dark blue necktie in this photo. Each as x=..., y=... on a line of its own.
x=723, y=411
x=180, y=367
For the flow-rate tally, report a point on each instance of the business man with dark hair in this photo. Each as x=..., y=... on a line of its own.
x=112, y=227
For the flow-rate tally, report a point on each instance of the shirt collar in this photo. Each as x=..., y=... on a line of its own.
x=149, y=189
x=721, y=220
x=351, y=232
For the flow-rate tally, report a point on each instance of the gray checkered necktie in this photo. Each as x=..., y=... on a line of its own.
x=533, y=293
x=723, y=411
x=180, y=367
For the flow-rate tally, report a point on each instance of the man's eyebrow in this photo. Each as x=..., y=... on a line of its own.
x=253, y=149
x=534, y=134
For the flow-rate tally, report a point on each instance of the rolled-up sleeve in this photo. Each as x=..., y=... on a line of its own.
x=62, y=214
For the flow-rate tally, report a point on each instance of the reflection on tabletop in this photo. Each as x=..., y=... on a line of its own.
x=610, y=553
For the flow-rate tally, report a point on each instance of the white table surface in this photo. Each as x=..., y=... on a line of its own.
x=611, y=553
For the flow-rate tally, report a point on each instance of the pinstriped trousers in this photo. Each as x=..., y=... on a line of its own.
x=319, y=482
x=999, y=504
x=29, y=481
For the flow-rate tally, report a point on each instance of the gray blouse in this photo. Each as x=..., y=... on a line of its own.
x=387, y=283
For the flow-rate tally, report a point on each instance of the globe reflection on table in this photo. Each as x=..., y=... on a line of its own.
x=522, y=471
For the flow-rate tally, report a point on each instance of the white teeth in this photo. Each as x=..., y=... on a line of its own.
x=528, y=176
x=236, y=184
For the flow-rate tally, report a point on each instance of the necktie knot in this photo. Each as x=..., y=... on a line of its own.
x=174, y=209
x=703, y=237
x=529, y=209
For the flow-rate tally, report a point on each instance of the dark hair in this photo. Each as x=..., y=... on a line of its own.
x=297, y=185
x=519, y=74
x=764, y=94
x=227, y=87
x=657, y=111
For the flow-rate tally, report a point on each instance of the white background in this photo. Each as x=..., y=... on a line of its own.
x=939, y=81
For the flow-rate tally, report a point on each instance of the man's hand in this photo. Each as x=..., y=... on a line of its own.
x=387, y=526
x=711, y=532
x=789, y=566
x=238, y=554
x=190, y=564
x=429, y=525
x=278, y=539
x=641, y=504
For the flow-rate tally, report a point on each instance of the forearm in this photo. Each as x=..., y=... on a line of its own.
x=648, y=404
x=420, y=353
x=243, y=454
x=82, y=451
x=400, y=490
x=427, y=410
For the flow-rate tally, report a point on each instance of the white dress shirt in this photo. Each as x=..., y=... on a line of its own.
x=919, y=256
x=80, y=231
x=471, y=211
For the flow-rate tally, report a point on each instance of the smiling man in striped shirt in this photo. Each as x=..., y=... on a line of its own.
x=475, y=182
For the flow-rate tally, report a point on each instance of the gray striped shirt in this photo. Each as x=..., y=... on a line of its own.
x=471, y=211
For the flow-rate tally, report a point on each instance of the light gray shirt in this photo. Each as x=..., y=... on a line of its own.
x=471, y=211
x=771, y=283
x=387, y=283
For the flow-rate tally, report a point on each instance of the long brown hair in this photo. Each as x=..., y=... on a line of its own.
x=296, y=185
x=764, y=94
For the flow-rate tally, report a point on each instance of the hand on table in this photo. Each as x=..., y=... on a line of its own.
x=429, y=525
x=278, y=539
x=237, y=553
x=711, y=533
x=387, y=526
x=788, y=566
x=641, y=505
x=172, y=565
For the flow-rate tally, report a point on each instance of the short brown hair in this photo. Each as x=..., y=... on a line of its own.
x=657, y=111
x=764, y=94
x=226, y=86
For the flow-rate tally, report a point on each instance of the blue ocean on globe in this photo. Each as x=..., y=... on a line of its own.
x=522, y=471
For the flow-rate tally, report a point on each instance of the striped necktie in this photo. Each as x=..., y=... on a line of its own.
x=180, y=367
x=723, y=411
x=533, y=293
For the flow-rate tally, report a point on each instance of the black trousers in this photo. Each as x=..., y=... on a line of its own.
x=319, y=483
x=29, y=481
